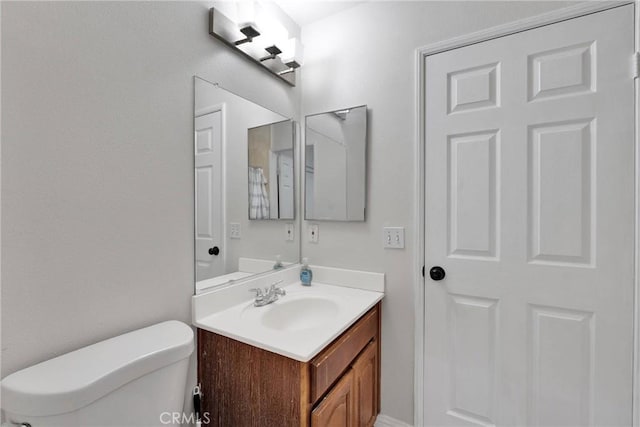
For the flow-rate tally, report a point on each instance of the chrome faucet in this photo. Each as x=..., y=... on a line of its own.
x=268, y=295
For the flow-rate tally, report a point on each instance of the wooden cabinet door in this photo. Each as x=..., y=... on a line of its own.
x=365, y=371
x=337, y=409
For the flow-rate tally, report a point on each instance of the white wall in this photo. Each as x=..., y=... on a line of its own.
x=97, y=166
x=366, y=55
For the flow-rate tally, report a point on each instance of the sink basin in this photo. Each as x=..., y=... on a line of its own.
x=299, y=314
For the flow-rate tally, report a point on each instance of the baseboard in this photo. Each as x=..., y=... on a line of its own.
x=387, y=421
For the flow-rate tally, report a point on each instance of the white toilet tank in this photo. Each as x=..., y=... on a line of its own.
x=135, y=379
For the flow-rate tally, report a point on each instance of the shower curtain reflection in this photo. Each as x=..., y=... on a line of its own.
x=258, y=201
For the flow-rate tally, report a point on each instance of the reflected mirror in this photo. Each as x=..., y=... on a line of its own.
x=228, y=246
x=271, y=174
x=335, y=165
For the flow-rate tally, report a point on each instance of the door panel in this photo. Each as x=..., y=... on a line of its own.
x=472, y=194
x=561, y=370
x=529, y=207
x=472, y=323
x=568, y=70
x=561, y=169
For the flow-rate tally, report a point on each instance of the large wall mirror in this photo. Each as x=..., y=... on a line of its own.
x=335, y=165
x=229, y=131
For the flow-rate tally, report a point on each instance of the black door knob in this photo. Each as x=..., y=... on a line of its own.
x=214, y=250
x=437, y=273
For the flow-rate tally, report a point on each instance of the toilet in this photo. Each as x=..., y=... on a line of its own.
x=135, y=379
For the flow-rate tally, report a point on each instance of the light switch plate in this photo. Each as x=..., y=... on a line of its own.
x=312, y=230
x=393, y=237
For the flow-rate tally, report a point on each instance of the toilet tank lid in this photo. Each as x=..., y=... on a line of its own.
x=74, y=380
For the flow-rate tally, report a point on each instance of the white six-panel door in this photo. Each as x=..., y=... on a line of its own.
x=208, y=195
x=529, y=209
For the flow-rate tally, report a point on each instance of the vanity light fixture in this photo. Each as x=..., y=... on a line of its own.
x=291, y=55
x=274, y=51
x=259, y=37
x=250, y=32
x=245, y=18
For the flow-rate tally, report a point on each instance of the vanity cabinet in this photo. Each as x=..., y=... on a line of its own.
x=244, y=385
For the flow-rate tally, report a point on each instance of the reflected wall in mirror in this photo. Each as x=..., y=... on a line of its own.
x=227, y=245
x=335, y=165
x=271, y=171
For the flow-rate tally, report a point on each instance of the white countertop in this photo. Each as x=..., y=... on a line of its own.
x=323, y=311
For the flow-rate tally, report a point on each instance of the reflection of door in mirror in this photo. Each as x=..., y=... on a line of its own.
x=208, y=195
x=285, y=183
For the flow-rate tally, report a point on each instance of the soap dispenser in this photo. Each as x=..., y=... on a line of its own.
x=305, y=273
x=278, y=265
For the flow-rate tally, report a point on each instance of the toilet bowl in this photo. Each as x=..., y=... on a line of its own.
x=135, y=379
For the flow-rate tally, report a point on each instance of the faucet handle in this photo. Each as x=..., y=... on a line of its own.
x=258, y=292
x=271, y=289
x=276, y=290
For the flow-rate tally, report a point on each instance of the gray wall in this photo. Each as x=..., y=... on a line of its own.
x=366, y=55
x=97, y=172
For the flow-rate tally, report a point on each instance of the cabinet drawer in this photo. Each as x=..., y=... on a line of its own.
x=327, y=366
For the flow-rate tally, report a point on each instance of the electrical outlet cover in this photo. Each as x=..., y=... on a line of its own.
x=234, y=230
x=289, y=234
x=313, y=233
